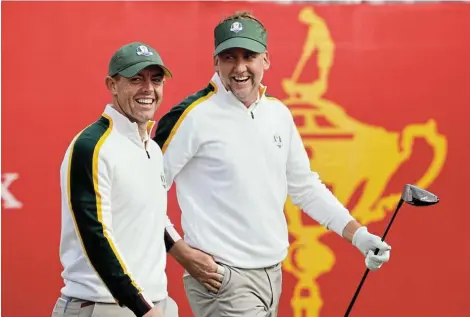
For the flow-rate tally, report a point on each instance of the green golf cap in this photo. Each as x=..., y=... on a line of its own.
x=243, y=33
x=131, y=58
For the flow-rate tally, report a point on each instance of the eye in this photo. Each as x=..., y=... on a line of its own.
x=158, y=80
x=135, y=80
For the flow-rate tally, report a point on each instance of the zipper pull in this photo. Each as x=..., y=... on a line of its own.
x=145, y=148
x=252, y=115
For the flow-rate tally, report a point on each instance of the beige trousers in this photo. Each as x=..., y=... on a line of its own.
x=243, y=293
x=67, y=308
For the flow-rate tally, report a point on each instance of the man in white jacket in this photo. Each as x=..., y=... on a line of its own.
x=235, y=154
x=114, y=200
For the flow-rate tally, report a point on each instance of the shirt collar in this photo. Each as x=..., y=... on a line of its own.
x=220, y=89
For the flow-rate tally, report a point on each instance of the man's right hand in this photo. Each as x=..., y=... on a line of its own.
x=154, y=312
x=199, y=265
x=203, y=268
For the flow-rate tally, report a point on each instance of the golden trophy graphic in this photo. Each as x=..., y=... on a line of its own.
x=347, y=154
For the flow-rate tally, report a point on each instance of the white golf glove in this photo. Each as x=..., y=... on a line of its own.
x=367, y=243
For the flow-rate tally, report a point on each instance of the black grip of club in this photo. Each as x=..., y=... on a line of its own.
x=376, y=252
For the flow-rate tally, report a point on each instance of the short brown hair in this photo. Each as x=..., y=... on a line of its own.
x=242, y=15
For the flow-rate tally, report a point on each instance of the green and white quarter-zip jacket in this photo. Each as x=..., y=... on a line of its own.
x=114, y=213
x=233, y=168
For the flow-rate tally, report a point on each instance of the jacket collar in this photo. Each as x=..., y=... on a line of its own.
x=125, y=126
x=229, y=96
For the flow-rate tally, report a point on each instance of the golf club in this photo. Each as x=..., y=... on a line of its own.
x=412, y=195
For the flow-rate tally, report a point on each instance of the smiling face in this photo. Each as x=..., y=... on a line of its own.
x=241, y=72
x=139, y=96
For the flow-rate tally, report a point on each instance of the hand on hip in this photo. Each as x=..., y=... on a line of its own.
x=203, y=268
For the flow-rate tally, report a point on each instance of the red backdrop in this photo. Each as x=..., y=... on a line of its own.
x=380, y=94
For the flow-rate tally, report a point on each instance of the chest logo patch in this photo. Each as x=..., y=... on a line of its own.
x=277, y=140
x=163, y=179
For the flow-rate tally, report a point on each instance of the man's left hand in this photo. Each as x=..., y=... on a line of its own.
x=367, y=243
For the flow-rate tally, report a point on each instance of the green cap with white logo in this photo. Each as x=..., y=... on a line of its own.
x=243, y=33
x=131, y=58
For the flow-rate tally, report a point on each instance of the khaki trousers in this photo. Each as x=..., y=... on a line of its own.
x=243, y=293
x=65, y=307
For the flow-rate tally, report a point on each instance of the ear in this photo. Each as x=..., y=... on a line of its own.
x=111, y=85
x=266, y=61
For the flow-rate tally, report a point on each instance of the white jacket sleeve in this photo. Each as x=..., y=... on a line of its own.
x=171, y=235
x=176, y=136
x=307, y=190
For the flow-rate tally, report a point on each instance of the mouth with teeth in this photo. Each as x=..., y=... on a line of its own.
x=241, y=79
x=145, y=102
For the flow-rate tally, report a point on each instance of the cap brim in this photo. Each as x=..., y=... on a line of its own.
x=136, y=68
x=241, y=42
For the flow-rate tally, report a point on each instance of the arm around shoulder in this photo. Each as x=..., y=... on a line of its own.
x=176, y=135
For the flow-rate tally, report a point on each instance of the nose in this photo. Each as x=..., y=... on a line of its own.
x=147, y=85
x=240, y=66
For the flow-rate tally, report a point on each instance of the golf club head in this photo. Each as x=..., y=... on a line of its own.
x=416, y=196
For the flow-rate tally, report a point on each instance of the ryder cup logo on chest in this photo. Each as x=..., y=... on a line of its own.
x=236, y=27
x=277, y=140
x=143, y=50
x=163, y=179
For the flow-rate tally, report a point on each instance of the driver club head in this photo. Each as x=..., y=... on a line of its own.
x=416, y=196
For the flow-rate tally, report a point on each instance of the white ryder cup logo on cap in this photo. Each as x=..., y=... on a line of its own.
x=143, y=50
x=236, y=27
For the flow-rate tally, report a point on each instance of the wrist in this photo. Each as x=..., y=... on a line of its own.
x=356, y=237
x=351, y=229
x=181, y=252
